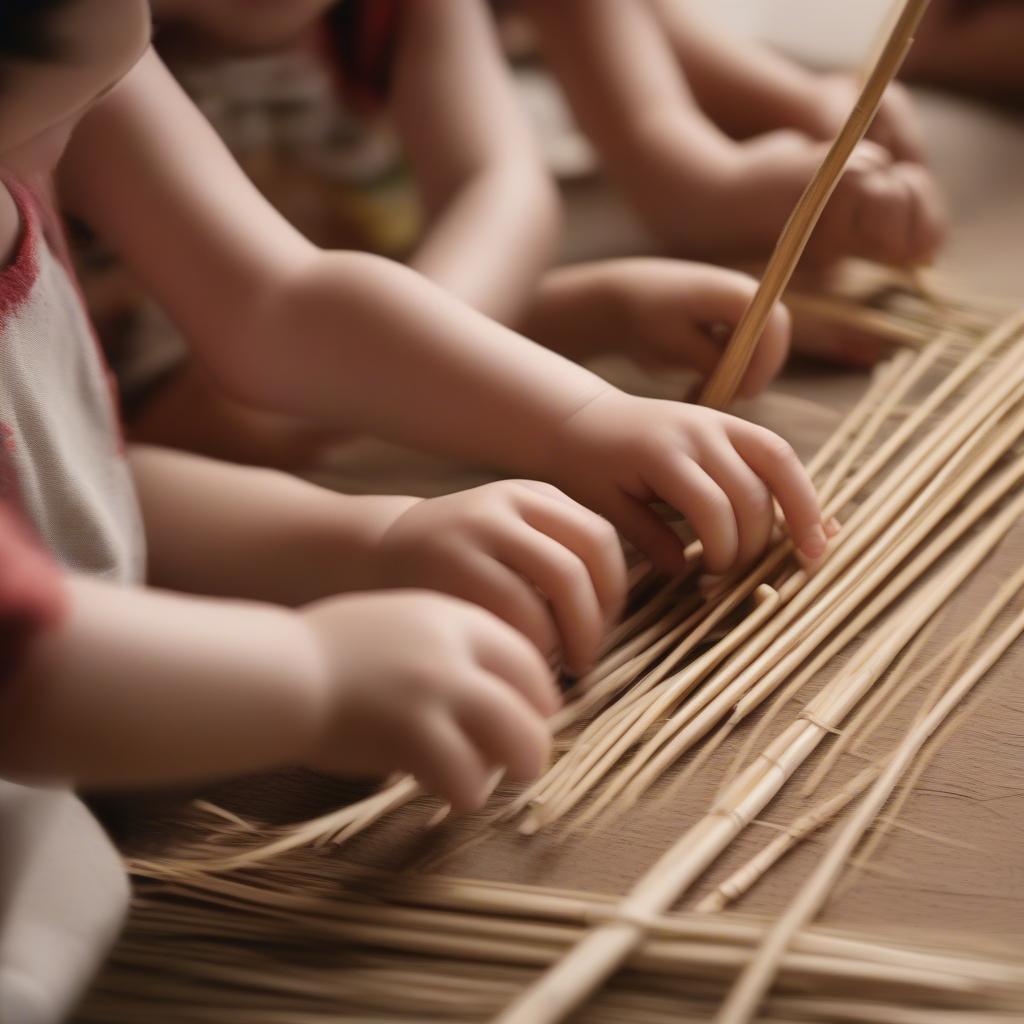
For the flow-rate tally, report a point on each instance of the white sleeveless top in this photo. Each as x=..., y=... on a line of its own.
x=61, y=452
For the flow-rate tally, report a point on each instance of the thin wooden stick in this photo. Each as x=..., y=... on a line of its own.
x=840, y=642
x=699, y=716
x=563, y=987
x=906, y=372
x=745, y=877
x=949, y=661
x=889, y=695
x=742, y=1003
x=934, y=747
x=797, y=232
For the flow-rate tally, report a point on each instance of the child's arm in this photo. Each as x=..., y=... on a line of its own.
x=493, y=214
x=704, y=192
x=747, y=88
x=522, y=550
x=137, y=686
x=662, y=313
x=344, y=337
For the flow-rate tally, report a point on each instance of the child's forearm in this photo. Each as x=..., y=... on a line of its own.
x=362, y=342
x=745, y=87
x=492, y=213
x=411, y=364
x=234, y=531
x=137, y=686
x=490, y=242
x=333, y=338
x=655, y=141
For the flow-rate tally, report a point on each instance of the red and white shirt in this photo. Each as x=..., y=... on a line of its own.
x=62, y=468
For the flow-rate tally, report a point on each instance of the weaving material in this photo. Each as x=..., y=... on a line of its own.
x=252, y=945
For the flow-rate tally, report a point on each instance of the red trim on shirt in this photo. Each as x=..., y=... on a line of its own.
x=18, y=278
x=39, y=219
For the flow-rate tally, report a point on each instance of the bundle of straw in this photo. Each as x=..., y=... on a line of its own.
x=409, y=948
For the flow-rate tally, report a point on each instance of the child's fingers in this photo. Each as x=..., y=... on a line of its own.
x=838, y=232
x=504, y=592
x=751, y=501
x=563, y=577
x=445, y=762
x=689, y=489
x=929, y=217
x=722, y=297
x=505, y=653
x=884, y=218
x=691, y=346
x=770, y=355
x=775, y=462
x=647, y=532
x=590, y=537
x=505, y=730
x=897, y=126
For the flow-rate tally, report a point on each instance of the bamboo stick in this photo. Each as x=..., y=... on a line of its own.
x=750, y=989
x=746, y=876
x=599, y=953
x=822, y=658
x=874, y=841
x=698, y=717
x=607, y=754
x=950, y=660
x=906, y=373
x=797, y=232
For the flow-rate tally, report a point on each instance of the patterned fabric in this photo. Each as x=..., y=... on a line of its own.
x=361, y=37
x=61, y=461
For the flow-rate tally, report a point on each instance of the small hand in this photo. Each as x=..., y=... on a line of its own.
x=520, y=549
x=618, y=454
x=896, y=127
x=881, y=210
x=426, y=684
x=681, y=314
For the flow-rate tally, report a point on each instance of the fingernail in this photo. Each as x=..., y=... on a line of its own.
x=815, y=542
x=832, y=527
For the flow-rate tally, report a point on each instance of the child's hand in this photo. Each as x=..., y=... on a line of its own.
x=881, y=210
x=680, y=314
x=426, y=684
x=620, y=453
x=520, y=549
x=896, y=127
x=662, y=313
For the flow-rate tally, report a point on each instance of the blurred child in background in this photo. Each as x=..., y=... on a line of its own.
x=712, y=138
x=434, y=73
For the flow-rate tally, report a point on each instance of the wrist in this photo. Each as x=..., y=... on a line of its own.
x=361, y=544
x=573, y=449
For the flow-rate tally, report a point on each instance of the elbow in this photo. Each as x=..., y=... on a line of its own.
x=292, y=347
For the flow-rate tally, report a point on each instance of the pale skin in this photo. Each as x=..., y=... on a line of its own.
x=712, y=139
x=238, y=279
x=491, y=220
x=142, y=685
x=491, y=215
